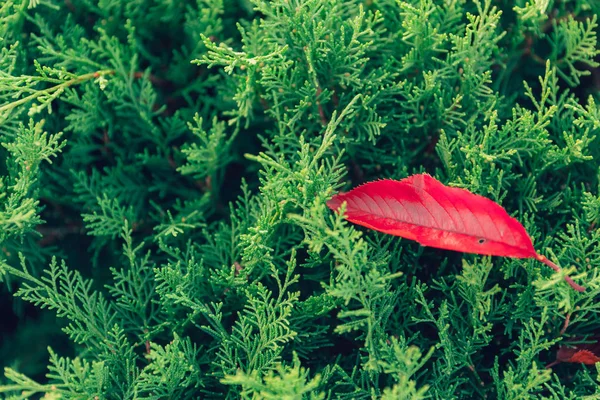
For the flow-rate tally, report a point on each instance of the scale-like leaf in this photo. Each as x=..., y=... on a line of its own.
x=421, y=208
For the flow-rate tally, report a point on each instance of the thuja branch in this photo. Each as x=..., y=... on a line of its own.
x=55, y=89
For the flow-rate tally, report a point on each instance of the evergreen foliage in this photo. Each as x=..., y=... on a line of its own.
x=163, y=227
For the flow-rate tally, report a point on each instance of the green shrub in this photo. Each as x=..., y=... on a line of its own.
x=163, y=224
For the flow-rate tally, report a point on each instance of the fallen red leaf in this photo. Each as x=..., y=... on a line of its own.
x=583, y=356
x=584, y=353
x=422, y=209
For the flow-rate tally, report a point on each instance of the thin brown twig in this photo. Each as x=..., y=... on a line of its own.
x=320, y=107
x=566, y=324
x=152, y=78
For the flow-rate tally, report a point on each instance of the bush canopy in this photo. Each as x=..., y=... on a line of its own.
x=164, y=232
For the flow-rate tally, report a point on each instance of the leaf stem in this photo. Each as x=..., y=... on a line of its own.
x=557, y=269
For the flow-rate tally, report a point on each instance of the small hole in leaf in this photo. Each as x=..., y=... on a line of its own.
x=481, y=241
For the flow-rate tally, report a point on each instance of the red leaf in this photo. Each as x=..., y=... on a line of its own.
x=584, y=356
x=422, y=209
x=584, y=353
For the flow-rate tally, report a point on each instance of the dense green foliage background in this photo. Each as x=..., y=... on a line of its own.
x=163, y=228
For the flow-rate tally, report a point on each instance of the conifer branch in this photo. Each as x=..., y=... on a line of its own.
x=7, y=108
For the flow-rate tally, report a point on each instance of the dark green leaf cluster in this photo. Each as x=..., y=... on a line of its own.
x=165, y=169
